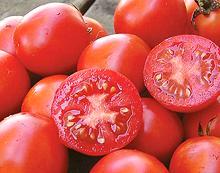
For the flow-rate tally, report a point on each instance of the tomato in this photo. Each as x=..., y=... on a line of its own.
x=204, y=122
x=182, y=73
x=14, y=84
x=190, y=8
x=7, y=29
x=96, y=30
x=117, y=52
x=31, y=144
x=199, y=154
x=50, y=39
x=161, y=132
x=129, y=161
x=151, y=20
x=207, y=25
x=40, y=97
x=97, y=111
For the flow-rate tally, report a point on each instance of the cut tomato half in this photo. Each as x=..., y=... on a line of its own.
x=97, y=111
x=182, y=73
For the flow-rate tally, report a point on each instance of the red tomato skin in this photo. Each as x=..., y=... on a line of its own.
x=151, y=20
x=191, y=121
x=14, y=84
x=129, y=161
x=31, y=144
x=117, y=52
x=40, y=97
x=7, y=29
x=199, y=154
x=161, y=132
x=50, y=39
x=208, y=26
x=190, y=8
x=97, y=30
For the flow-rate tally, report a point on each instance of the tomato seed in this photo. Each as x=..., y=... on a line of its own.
x=124, y=110
x=113, y=89
x=158, y=77
x=101, y=140
x=70, y=124
x=105, y=86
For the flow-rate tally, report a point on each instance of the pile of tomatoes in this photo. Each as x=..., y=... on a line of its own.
x=143, y=100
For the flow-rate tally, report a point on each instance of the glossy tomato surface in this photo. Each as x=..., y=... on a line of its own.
x=96, y=30
x=199, y=154
x=182, y=73
x=123, y=53
x=30, y=144
x=208, y=26
x=151, y=20
x=97, y=111
x=7, y=29
x=40, y=97
x=204, y=122
x=50, y=39
x=161, y=132
x=190, y=8
x=14, y=84
x=128, y=161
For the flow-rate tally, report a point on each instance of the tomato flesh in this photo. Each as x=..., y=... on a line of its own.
x=182, y=73
x=97, y=111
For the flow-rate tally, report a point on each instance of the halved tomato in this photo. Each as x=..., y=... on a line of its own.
x=97, y=111
x=183, y=73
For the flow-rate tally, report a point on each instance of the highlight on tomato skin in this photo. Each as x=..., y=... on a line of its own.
x=204, y=122
x=40, y=97
x=7, y=29
x=182, y=73
x=30, y=144
x=97, y=111
x=128, y=161
x=161, y=131
x=96, y=30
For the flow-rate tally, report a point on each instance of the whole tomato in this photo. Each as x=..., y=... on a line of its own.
x=128, y=161
x=30, y=144
x=124, y=53
x=50, y=39
x=40, y=97
x=197, y=155
x=207, y=19
x=14, y=84
x=95, y=29
x=151, y=20
x=204, y=122
x=7, y=29
x=161, y=132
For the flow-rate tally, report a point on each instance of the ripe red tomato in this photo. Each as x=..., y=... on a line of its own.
x=96, y=30
x=128, y=161
x=40, y=97
x=208, y=25
x=14, y=84
x=50, y=38
x=161, y=132
x=30, y=144
x=123, y=53
x=97, y=111
x=151, y=20
x=182, y=73
x=207, y=120
x=199, y=154
x=7, y=29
